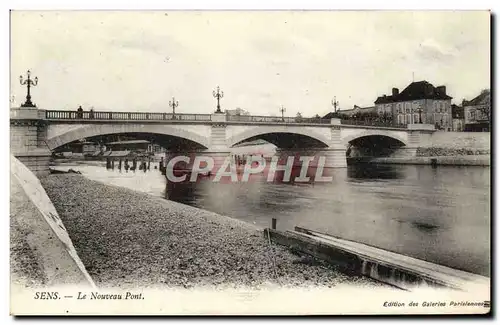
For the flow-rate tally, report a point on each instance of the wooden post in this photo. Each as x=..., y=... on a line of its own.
x=273, y=223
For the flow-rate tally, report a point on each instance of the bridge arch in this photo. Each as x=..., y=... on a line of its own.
x=373, y=143
x=374, y=133
x=92, y=130
x=282, y=137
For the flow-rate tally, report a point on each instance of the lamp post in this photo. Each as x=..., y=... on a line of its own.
x=28, y=82
x=335, y=103
x=219, y=94
x=282, y=110
x=173, y=104
x=419, y=109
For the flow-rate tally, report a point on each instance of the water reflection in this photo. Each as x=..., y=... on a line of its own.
x=441, y=215
x=415, y=210
x=372, y=171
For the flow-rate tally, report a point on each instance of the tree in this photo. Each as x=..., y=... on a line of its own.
x=298, y=117
x=485, y=105
x=385, y=117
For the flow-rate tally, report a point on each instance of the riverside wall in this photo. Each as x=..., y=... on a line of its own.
x=42, y=253
x=448, y=148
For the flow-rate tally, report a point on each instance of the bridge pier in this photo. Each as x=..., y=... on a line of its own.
x=218, y=157
x=27, y=129
x=335, y=157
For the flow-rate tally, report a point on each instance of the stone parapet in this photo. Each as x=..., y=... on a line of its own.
x=421, y=127
x=36, y=160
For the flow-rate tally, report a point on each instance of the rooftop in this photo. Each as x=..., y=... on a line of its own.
x=416, y=90
x=356, y=109
x=483, y=98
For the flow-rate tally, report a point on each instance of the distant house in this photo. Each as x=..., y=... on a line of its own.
x=418, y=99
x=457, y=113
x=477, y=112
x=331, y=115
x=138, y=146
x=238, y=111
x=89, y=147
x=82, y=146
x=356, y=111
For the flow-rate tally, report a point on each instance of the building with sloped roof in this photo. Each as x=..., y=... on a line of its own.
x=477, y=112
x=419, y=99
x=137, y=146
x=457, y=113
x=349, y=113
x=238, y=111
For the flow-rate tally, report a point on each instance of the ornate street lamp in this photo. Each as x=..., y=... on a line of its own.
x=219, y=94
x=335, y=103
x=282, y=110
x=173, y=104
x=28, y=82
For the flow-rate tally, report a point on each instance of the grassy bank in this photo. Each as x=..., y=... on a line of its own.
x=127, y=239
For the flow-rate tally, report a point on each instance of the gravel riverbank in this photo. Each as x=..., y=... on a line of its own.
x=128, y=239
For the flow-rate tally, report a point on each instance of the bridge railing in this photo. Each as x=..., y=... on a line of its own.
x=144, y=116
x=275, y=119
x=372, y=123
x=134, y=116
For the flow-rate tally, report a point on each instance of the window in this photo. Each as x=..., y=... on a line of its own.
x=416, y=118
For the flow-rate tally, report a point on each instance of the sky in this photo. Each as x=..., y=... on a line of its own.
x=137, y=61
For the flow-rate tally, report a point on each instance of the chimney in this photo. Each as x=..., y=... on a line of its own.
x=395, y=91
x=441, y=90
x=429, y=89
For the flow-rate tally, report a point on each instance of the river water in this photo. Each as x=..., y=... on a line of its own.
x=441, y=214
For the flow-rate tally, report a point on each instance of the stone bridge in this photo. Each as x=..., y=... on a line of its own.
x=35, y=133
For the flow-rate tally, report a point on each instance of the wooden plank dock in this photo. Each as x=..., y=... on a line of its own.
x=399, y=270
